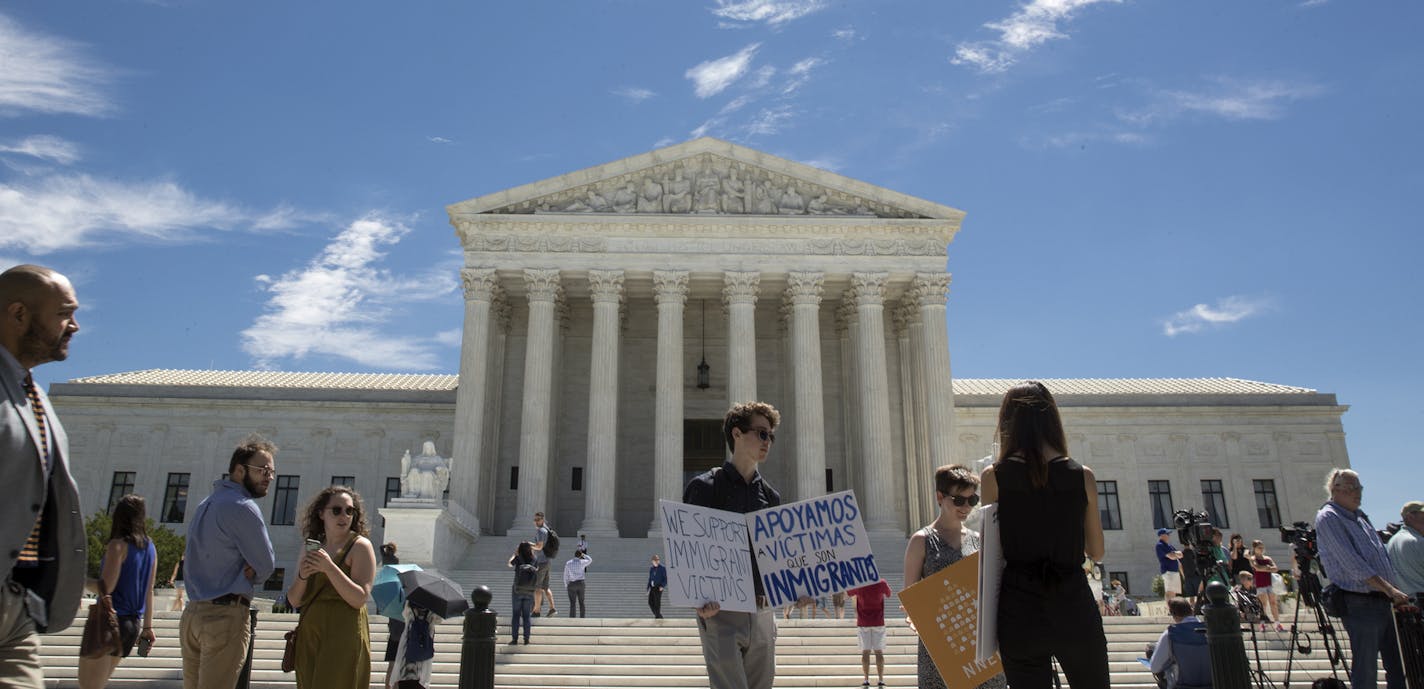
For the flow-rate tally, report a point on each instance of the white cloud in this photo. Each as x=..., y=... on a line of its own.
x=770, y=120
x=439, y=140
x=449, y=338
x=800, y=73
x=714, y=76
x=47, y=74
x=1034, y=24
x=1202, y=317
x=69, y=211
x=847, y=34
x=339, y=303
x=772, y=12
x=634, y=94
x=43, y=147
x=1226, y=98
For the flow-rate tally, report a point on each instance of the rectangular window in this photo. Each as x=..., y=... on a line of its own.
x=392, y=490
x=123, y=485
x=1118, y=576
x=830, y=482
x=1159, y=494
x=1214, y=502
x=578, y=479
x=1108, y=506
x=1266, y=508
x=348, y=481
x=175, y=499
x=514, y=478
x=284, y=501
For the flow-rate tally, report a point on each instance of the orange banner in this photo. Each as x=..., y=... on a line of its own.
x=944, y=607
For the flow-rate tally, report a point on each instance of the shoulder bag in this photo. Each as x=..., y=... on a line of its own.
x=289, y=651
x=101, y=630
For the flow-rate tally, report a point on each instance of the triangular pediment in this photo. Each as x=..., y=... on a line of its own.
x=705, y=177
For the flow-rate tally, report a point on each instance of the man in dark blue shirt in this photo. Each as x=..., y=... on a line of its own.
x=739, y=647
x=1167, y=562
x=657, y=583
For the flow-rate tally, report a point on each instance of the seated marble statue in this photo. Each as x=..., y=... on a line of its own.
x=791, y=202
x=426, y=476
x=625, y=200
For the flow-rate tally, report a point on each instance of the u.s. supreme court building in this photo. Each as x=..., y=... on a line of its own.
x=613, y=313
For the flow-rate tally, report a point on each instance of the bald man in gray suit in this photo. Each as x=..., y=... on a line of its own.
x=41, y=528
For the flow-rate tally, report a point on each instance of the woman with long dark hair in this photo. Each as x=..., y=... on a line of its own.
x=333, y=580
x=126, y=575
x=525, y=578
x=1048, y=520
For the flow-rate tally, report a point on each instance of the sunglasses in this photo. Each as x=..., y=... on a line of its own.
x=764, y=436
x=960, y=500
x=338, y=510
x=266, y=472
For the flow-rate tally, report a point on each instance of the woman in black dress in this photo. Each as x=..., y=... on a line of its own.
x=1048, y=520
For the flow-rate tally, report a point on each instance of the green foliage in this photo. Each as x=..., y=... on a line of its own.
x=1158, y=588
x=168, y=544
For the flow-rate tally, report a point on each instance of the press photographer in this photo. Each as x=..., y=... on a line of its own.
x=1355, y=559
x=1203, y=559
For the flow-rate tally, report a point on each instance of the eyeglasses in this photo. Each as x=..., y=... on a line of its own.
x=960, y=500
x=338, y=510
x=765, y=436
x=267, y=472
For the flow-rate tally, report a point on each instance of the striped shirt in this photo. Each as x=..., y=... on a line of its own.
x=30, y=555
x=1350, y=549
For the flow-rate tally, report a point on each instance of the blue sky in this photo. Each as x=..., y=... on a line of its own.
x=1153, y=188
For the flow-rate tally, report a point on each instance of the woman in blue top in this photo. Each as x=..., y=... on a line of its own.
x=126, y=574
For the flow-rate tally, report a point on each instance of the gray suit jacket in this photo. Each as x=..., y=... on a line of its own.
x=61, y=582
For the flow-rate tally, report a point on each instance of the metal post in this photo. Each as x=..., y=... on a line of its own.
x=477, y=646
x=1229, y=667
x=245, y=676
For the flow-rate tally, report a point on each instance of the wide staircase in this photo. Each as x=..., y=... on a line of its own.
x=635, y=652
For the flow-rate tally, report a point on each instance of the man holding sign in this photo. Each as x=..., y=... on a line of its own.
x=739, y=647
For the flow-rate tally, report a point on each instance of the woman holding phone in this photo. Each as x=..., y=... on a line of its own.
x=333, y=646
x=126, y=575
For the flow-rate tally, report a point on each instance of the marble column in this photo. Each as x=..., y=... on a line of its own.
x=466, y=467
x=739, y=293
x=931, y=290
x=851, y=407
x=924, y=463
x=879, y=504
x=670, y=290
x=804, y=290
x=600, y=476
x=903, y=315
x=493, y=421
x=534, y=424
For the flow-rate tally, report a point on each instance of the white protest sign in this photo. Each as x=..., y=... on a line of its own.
x=812, y=548
x=707, y=557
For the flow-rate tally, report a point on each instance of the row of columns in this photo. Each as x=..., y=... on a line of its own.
x=924, y=351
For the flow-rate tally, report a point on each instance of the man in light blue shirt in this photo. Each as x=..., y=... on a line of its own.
x=1406, y=549
x=1355, y=560
x=228, y=550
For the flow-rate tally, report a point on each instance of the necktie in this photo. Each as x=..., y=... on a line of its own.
x=30, y=553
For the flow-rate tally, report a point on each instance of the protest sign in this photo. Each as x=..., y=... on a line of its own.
x=707, y=557
x=812, y=548
x=991, y=576
x=944, y=608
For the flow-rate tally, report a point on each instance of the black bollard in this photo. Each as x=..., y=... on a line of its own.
x=244, y=677
x=1229, y=667
x=477, y=646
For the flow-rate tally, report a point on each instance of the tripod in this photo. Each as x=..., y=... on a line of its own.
x=1309, y=585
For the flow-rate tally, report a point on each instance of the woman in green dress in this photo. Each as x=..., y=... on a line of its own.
x=333, y=648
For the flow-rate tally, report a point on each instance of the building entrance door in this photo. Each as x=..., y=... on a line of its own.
x=702, y=446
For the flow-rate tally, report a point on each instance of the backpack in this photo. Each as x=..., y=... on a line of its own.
x=524, y=575
x=551, y=544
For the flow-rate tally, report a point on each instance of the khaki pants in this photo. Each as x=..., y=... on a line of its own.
x=740, y=649
x=214, y=640
x=19, y=643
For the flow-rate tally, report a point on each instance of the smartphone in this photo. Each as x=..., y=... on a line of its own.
x=313, y=544
x=144, y=646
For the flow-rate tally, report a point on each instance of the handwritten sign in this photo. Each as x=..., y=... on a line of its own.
x=707, y=557
x=812, y=548
x=944, y=608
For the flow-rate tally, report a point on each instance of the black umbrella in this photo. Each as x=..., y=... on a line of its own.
x=425, y=589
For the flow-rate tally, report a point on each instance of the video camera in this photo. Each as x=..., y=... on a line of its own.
x=1301, y=535
x=1194, y=529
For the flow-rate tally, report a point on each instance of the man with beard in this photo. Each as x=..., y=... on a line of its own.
x=228, y=549
x=40, y=522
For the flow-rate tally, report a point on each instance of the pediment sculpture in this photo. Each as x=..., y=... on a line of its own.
x=425, y=476
x=706, y=184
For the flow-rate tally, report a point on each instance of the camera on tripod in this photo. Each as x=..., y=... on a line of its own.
x=1302, y=536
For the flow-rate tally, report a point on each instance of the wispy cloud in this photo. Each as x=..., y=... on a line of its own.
x=770, y=120
x=777, y=88
x=70, y=211
x=43, y=147
x=634, y=94
x=1204, y=317
x=714, y=76
x=770, y=12
x=800, y=73
x=846, y=34
x=439, y=140
x=1225, y=98
x=46, y=74
x=1032, y=25
x=341, y=304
